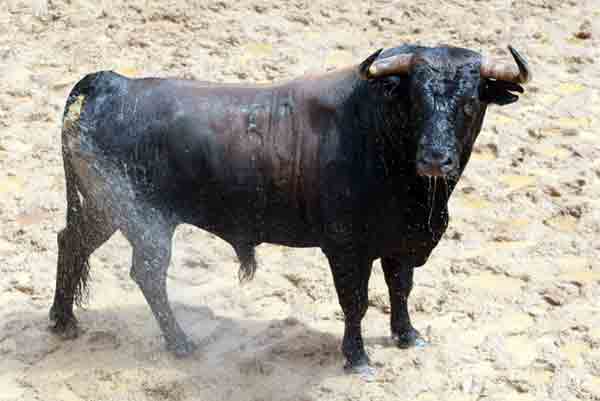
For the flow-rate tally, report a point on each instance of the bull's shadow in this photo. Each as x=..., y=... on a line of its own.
x=120, y=354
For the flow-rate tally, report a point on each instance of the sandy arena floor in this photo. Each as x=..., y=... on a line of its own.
x=509, y=301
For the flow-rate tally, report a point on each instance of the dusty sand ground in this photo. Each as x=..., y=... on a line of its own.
x=508, y=301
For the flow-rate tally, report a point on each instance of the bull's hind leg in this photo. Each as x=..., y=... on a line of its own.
x=85, y=232
x=399, y=279
x=151, y=258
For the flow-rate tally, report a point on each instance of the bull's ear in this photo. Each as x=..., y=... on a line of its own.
x=500, y=92
x=363, y=68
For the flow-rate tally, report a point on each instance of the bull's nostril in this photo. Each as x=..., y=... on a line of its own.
x=435, y=166
x=447, y=164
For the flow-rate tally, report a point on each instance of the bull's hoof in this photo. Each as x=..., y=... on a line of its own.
x=64, y=327
x=182, y=348
x=409, y=338
x=362, y=368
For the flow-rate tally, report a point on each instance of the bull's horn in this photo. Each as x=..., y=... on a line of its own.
x=398, y=64
x=519, y=74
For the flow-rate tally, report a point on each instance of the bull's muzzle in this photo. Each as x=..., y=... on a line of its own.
x=437, y=164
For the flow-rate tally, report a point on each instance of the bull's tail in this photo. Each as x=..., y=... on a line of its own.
x=74, y=272
x=76, y=267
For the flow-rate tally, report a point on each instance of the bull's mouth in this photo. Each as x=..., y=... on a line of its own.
x=429, y=170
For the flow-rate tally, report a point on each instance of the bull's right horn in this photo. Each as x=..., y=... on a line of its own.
x=392, y=65
x=519, y=74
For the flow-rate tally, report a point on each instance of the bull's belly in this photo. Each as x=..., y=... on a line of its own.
x=242, y=215
x=236, y=214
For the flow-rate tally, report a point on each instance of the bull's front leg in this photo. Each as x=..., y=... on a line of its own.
x=399, y=279
x=351, y=272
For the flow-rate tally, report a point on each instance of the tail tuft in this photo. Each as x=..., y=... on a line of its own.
x=82, y=293
x=247, y=271
x=74, y=269
x=248, y=265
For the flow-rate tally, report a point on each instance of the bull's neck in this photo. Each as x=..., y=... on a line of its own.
x=332, y=89
x=379, y=127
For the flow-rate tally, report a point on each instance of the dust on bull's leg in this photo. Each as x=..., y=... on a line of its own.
x=351, y=278
x=399, y=279
x=151, y=258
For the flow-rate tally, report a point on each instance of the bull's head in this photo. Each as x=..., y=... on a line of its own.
x=448, y=91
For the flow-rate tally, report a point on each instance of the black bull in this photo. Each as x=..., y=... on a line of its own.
x=347, y=161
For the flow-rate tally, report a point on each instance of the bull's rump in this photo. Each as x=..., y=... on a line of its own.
x=234, y=162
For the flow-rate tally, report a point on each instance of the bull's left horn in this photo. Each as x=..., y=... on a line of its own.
x=519, y=74
x=398, y=64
